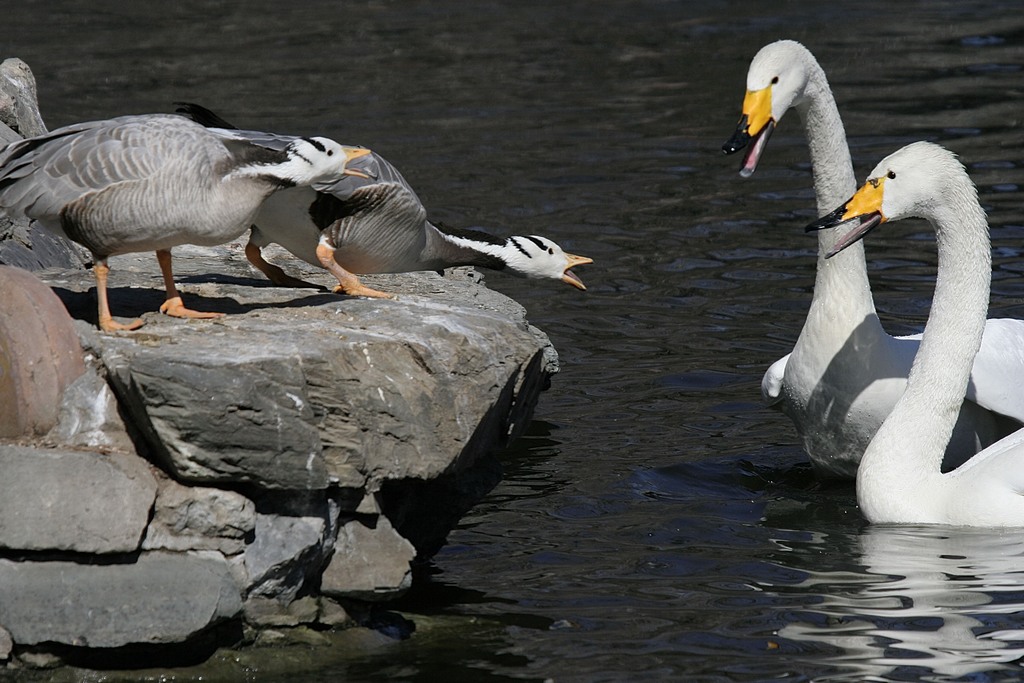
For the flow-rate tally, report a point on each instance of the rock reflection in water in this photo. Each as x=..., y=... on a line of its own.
x=935, y=598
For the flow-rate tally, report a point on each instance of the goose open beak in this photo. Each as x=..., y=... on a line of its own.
x=571, y=277
x=352, y=153
x=865, y=204
x=757, y=124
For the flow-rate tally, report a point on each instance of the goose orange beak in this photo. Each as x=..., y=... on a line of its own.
x=571, y=277
x=354, y=153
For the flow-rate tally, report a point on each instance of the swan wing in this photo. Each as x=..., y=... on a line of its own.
x=1002, y=463
x=997, y=378
x=771, y=383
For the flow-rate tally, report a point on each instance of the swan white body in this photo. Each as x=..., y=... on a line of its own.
x=845, y=372
x=900, y=479
x=137, y=183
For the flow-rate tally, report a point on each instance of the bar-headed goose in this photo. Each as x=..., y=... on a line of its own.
x=150, y=182
x=377, y=224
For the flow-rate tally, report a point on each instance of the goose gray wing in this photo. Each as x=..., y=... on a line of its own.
x=228, y=131
x=378, y=227
x=379, y=172
x=272, y=141
x=377, y=223
x=40, y=176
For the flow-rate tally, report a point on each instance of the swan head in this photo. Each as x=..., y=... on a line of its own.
x=915, y=181
x=534, y=256
x=776, y=81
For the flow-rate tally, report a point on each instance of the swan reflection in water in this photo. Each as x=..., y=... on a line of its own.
x=940, y=598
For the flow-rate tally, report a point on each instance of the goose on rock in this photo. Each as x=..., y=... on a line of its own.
x=900, y=479
x=845, y=372
x=151, y=182
x=377, y=224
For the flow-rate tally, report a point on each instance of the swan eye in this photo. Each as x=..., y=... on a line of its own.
x=775, y=80
x=550, y=250
x=890, y=175
x=330, y=152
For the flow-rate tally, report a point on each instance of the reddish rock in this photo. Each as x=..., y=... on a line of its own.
x=40, y=354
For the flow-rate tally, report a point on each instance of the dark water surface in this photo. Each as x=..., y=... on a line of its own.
x=657, y=523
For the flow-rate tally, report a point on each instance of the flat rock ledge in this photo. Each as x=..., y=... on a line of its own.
x=205, y=481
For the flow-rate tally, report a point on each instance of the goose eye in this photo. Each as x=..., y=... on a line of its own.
x=890, y=175
x=330, y=152
x=775, y=80
x=550, y=250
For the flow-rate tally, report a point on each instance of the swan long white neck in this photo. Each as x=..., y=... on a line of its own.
x=908, y=449
x=844, y=276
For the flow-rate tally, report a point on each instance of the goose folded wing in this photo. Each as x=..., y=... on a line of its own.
x=378, y=228
x=69, y=162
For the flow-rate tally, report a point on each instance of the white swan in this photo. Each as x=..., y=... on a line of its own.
x=900, y=480
x=845, y=372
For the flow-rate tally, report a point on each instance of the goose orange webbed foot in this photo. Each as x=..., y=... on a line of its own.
x=176, y=308
x=274, y=273
x=111, y=325
x=362, y=290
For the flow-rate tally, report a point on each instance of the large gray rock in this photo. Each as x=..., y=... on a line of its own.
x=160, y=598
x=19, y=105
x=315, y=443
x=23, y=244
x=73, y=501
x=283, y=554
x=88, y=416
x=199, y=518
x=294, y=390
x=371, y=562
x=219, y=410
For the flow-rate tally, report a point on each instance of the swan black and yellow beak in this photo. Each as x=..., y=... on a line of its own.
x=571, y=277
x=756, y=123
x=352, y=153
x=865, y=204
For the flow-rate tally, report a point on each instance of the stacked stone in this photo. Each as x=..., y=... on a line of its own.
x=282, y=466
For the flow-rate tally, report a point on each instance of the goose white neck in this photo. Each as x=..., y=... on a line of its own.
x=291, y=170
x=305, y=161
x=524, y=255
x=493, y=253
